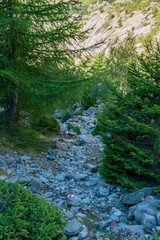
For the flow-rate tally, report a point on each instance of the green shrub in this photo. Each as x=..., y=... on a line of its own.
x=87, y=101
x=101, y=9
x=74, y=128
x=67, y=115
x=26, y=216
x=46, y=125
x=130, y=127
x=20, y=137
x=106, y=25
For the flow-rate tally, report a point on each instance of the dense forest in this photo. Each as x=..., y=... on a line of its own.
x=42, y=74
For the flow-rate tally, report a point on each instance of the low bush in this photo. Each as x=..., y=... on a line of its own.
x=66, y=115
x=87, y=101
x=46, y=125
x=26, y=216
x=74, y=128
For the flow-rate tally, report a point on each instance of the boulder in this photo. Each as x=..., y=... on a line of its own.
x=149, y=222
x=136, y=197
x=134, y=229
x=73, y=227
x=149, y=206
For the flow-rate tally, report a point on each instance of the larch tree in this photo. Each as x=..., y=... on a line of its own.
x=35, y=38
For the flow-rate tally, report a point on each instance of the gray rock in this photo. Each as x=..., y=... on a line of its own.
x=86, y=200
x=73, y=227
x=116, y=212
x=136, y=197
x=26, y=158
x=83, y=234
x=74, y=201
x=134, y=228
x=25, y=180
x=158, y=229
x=36, y=186
x=13, y=179
x=9, y=171
x=91, y=166
x=149, y=206
x=148, y=222
x=158, y=218
x=103, y=191
x=43, y=179
x=91, y=183
x=68, y=214
x=61, y=177
x=82, y=177
x=3, y=177
x=48, y=194
x=50, y=158
x=102, y=224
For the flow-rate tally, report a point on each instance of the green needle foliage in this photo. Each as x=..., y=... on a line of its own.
x=27, y=216
x=35, y=36
x=130, y=126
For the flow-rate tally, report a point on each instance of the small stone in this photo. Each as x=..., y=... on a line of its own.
x=25, y=158
x=43, y=179
x=158, y=229
x=116, y=212
x=86, y=200
x=61, y=177
x=91, y=183
x=3, y=177
x=13, y=179
x=36, y=186
x=158, y=218
x=25, y=180
x=9, y=171
x=68, y=214
x=48, y=194
x=82, y=177
x=90, y=166
x=73, y=228
x=74, y=201
x=50, y=158
x=83, y=234
x=103, y=224
x=103, y=191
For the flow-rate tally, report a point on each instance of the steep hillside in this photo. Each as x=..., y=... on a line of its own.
x=111, y=23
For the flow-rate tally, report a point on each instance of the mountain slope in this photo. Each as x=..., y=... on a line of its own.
x=111, y=23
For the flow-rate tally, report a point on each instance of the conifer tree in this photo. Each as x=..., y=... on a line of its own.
x=130, y=126
x=35, y=36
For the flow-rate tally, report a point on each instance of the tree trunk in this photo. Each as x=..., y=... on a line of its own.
x=11, y=111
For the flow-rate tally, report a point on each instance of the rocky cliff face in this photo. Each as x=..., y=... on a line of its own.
x=110, y=24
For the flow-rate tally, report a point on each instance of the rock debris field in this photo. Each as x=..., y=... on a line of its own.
x=68, y=177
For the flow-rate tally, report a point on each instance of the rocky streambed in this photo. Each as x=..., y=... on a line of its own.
x=68, y=176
